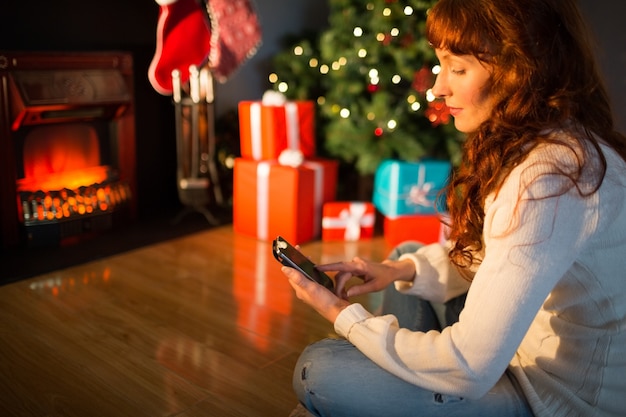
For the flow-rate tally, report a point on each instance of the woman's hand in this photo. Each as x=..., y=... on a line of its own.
x=320, y=298
x=376, y=276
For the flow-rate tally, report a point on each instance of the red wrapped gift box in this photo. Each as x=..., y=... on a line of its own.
x=270, y=199
x=424, y=228
x=267, y=130
x=345, y=220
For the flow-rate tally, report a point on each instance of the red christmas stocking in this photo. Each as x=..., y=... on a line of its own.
x=183, y=38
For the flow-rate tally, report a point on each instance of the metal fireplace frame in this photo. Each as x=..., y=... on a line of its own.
x=77, y=106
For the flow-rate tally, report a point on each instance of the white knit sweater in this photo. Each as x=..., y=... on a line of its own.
x=548, y=300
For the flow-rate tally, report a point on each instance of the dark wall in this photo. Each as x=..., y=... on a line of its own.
x=606, y=20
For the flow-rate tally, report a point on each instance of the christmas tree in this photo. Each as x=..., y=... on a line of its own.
x=371, y=72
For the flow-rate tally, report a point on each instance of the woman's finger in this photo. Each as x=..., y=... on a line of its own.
x=341, y=278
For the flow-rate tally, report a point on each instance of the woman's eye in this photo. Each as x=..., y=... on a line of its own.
x=457, y=71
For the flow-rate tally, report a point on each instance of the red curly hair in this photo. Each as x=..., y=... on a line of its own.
x=544, y=76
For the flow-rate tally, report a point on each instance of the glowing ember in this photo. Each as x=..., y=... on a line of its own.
x=65, y=204
x=66, y=179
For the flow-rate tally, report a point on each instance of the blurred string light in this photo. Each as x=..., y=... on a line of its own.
x=282, y=86
x=339, y=63
x=436, y=69
x=373, y=74
x=414, y=104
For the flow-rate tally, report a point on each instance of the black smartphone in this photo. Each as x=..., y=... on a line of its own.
x=289, y=256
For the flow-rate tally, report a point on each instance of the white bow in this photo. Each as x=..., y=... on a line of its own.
x=352, y=218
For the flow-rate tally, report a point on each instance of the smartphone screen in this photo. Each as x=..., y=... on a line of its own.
x=288, y=255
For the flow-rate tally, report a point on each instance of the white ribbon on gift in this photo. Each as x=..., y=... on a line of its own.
x=255, y=130
x=352, y=218
x=262, y=199
x=292, y=128
x=418, y=194
x=292, y=122
x=273, y=98
x=291, y=157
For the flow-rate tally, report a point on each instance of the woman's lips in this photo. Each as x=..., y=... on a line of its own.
x=454, y=111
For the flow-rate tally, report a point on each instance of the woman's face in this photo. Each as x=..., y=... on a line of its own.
x=461, y=83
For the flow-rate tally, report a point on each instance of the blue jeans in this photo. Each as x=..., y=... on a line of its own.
x=333, y=378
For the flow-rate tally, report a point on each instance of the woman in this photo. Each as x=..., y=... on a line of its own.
x=538, y=218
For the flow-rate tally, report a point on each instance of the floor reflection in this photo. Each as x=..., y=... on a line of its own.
x=264, y=299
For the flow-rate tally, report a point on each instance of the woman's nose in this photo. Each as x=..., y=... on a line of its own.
x=440, y=89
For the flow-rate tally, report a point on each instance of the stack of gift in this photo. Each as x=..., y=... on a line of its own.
x=410, y=197
x=280, y=186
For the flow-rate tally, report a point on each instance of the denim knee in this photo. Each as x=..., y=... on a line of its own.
x=325, y=372
x=318, y=354
x=404, y=247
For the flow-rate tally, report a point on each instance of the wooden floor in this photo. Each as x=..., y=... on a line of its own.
x=203, y=325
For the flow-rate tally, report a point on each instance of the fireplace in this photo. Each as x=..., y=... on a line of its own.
x=67, y=145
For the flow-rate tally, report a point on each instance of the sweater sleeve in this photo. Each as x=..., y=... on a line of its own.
x=436, y=279
x=530, y=243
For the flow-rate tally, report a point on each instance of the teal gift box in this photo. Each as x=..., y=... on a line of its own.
x=402, y=187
